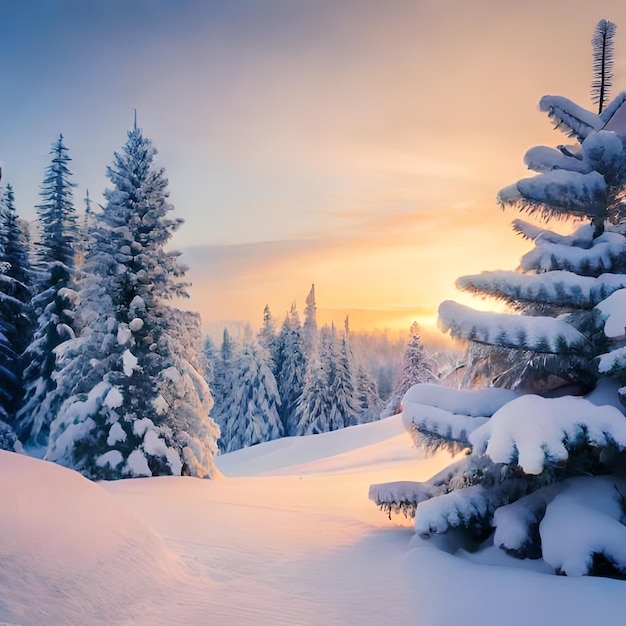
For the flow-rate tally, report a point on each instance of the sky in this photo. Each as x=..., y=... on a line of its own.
x=357, y=145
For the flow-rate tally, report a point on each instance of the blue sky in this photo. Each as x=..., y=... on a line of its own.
x=356, y=144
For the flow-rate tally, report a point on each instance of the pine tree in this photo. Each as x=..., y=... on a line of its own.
x=532, y=462
x=209, y=359
x=560, y=282
x=223, y=373
x=344, y=410
x=250, y=413
x=135, y=404
x=267, y=335
x=368, y=402
x=416, y=368
x=290, y=364
x=84, y=231
x=15, y=318
x=54, y=297
x=309, y=329
x=312, y=409
x=327, y=401
x=57, y=216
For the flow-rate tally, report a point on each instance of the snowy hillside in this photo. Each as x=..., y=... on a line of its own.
x=286, y=536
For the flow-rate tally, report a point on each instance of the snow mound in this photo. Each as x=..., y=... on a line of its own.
x=71, y=545
x=595, y=504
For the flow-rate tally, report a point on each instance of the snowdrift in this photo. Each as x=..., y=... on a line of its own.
x=70, y=553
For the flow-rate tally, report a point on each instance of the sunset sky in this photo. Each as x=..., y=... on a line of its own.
x=355, y=144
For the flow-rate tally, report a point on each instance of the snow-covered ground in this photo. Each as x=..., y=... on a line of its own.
x=286, y=536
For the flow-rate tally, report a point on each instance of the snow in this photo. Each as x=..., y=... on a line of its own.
x=475, y=402
x=541, y=334
x=610, y=360
x=601, y=254
x=532, y=430
x=114, y=398
x=138, y=464
x=112, y=458
x=594, y=504
x=71, y=552
x=123, y=334
x=135, y=324
x=578, y=121
x=286, y=537
x=613, y=309
x=116, y=433
x=544, y=159
x=129, y=361
x=574, y=190
x=559, y=286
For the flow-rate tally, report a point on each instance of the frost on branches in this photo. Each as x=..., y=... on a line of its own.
x=544, y=474
x=133, y=402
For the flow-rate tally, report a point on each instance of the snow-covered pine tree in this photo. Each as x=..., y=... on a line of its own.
x=223, y=364
x=309, y=328
x=344, y=410
x=290, y=363
x=534, y=463
x=15, y=293
x=54, y=296
x=327, y=401
x=209, y=360
x=250, y=413
x=15, y=317
x=368, y=402
x=559, y=282
x=311, y=411
x=267, y=336
x=417, y=367
x=135, y=403
x=84, y=231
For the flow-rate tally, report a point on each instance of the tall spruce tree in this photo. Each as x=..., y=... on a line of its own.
x=15, y=294
x=135, y=403
x=344, y=410
x=290, y=363
x=309, y=328
x=54, y=296
x=417, y=367
x=267, y=335
x=223, y=375
x=368, y=402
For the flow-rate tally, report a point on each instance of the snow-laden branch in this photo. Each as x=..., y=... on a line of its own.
x=560, y=287
x=438, y=427
x=538, y=334
x=582, y=236
x=404, y=496
x=472, y=402
x=570, y=117
x=545, y=159
x=558, y=193
x=535, y=432
x=612, y=107
x=603, y=255
x=439, y=417
x=470, y=507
